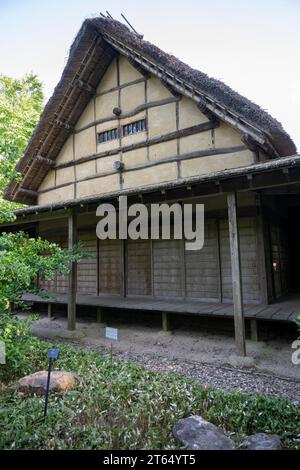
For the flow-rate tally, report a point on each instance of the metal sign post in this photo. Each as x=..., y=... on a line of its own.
x=113, y=334
x=52, y=355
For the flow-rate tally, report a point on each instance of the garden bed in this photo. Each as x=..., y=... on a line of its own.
x=123, y=405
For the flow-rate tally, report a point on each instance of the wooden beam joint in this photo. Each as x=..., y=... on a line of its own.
x=170, y=88
x=27, y=192
x=84, y=86
x=57, y=122
x=250, y=143
x=204, y=110
x=139, y=67
x=44, y=161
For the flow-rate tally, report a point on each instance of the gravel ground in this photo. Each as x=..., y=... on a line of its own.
x=226, y=378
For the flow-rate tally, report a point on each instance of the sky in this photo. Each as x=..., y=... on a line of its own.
x=253, y=46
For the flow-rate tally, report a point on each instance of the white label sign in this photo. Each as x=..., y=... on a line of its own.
x=111, y=333
x=2, y=352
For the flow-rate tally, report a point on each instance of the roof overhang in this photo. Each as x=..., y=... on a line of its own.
x=276, y=173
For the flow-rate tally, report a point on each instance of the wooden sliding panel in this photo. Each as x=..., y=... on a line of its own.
x=110, y=267
x=167, y=268
x=202, y=267
x=249, y=260
x=279, y=257
x=138, y=267
x=87, y=267
x=275, y=257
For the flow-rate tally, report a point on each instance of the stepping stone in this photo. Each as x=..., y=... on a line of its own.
x=36, y=383
x=262, y=441
x=197, y=434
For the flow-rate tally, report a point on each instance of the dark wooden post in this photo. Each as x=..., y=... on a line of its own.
x=49, y=310
x=254, y=329
x=165, y=322
x=72, y=239
x=100, y=317
x=239, y=323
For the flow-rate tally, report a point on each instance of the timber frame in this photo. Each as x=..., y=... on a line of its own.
x=264, y=177
x=201, y=141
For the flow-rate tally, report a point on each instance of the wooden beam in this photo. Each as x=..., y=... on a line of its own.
x=84, y=86
x=249, y=142
x=165, y=322
x=254, y=329
x=203, y=127
x=123, y=268
x=49, y=310
x=28, y=192
x=121, y=86
x=100, y=317
x=139, y=68
x=127, y=114
x=44, y=160
x=72, y=239
x=204, y=110
x=170, y=88
x=239, y=322
x=37, y=217
x=59, y=123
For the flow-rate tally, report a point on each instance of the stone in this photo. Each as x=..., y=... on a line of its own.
x=165, y=333
x=60, y=381
x=262, y=441
x=241, y=361
x=195, y=433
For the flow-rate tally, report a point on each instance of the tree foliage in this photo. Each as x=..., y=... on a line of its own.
x=21, y=103
x=24, y=259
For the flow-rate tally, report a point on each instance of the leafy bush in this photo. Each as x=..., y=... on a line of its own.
x=23, y=259
x=21, y=346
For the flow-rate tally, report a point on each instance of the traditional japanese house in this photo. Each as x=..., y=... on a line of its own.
x=128, y=119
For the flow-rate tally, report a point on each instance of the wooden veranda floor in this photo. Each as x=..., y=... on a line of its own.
x=285, y=310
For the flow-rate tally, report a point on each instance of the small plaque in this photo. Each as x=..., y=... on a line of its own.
x=111, y=333
x=2, y=352
x=53, y=353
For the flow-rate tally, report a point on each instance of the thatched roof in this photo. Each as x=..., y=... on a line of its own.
x=93, y=49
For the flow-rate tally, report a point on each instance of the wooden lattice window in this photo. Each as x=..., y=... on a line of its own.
x=107, y=136
x=134, y=127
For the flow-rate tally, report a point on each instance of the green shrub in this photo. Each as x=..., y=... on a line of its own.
x=21, y=347
x=24, y=259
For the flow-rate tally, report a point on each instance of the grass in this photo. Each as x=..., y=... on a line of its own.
x=121, y=405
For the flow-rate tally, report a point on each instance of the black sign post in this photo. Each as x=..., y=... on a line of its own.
x=52, y=355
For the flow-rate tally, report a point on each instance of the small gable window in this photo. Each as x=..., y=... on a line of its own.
x=134, y=127
x=107, y=136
